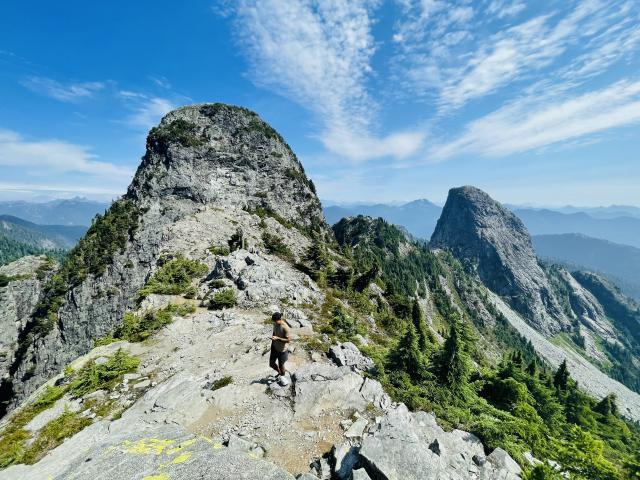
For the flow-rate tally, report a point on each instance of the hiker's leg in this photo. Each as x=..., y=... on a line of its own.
x=282, y=359
x=272, y=360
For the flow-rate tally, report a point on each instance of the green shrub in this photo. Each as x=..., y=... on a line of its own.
x=219, y=250
x=12, y=445
x=223, y=299
x=14, y=437
x=174, y=277
x=136, y=328
x=265, y=211
x=217, y=283
x=179, y=131
x=53, y=434
x=276, y=246
x=103, y=376
x=222, y=382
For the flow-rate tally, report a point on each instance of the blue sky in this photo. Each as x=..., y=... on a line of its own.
x=535, y=102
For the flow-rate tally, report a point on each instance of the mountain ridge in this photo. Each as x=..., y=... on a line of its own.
x=152, y=336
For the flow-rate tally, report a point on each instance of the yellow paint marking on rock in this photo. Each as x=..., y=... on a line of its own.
x=181, y=447
x=147, y=446
x=217, y=446
x=162, y=476
x=182, y=458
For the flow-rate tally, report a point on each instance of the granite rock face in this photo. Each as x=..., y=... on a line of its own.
x=207, y=170
x=487, y=237
x=412, y=446
x=17, y=300
x=220, y=155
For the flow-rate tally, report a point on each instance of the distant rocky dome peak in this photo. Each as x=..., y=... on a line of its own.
x=224, y=156
x=480, y=231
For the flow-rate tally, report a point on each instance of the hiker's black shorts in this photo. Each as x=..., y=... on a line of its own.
x=280, y=356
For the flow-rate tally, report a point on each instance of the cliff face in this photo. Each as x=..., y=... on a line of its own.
x=483, y=234
x=211, y=167
x=588, y=312
x=223, y=156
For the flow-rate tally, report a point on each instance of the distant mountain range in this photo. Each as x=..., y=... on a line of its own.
x=612, y=211
x=625, y=230
x=75, y=211
x=621, y=263
x=53, y=237
x=420, y=217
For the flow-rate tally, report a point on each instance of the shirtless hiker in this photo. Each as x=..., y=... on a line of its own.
x=279, y=344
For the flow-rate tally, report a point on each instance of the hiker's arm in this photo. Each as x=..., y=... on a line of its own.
x=282, y=339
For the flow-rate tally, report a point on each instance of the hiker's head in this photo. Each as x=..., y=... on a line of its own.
x=276, y=317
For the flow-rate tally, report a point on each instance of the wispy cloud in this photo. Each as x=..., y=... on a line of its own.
x=13, y=190
x=161, y=81
x=453, y=73
x=318, y=54
x=146, y=110
x=42, y=157
x=71, y=92
x=506, y=8
x=532, y=123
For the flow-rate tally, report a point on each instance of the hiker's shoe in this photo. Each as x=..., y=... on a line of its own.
x=283, y=381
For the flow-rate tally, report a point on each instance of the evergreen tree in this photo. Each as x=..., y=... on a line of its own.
x=317, y=256
x=425, y=337
x=408, y=356
x=607, y=406
x=341, y=278
x=532, y=368
x=561, y=378
x=455, y=363
x=366, y=278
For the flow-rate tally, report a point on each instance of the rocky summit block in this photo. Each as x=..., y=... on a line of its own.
x=484, y=235
x=224, y=155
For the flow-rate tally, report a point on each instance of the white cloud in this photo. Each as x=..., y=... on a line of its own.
x=617, y=42
x=532, y=123
x=147, y=111
x=161, y=82
x=318, y=54
x=65, y=93
x=504, y=8
x=29, y=191
x=44, y=157
x=508, y=55
x=451, y=62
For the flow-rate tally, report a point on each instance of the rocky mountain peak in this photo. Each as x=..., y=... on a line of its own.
x=483, y=234
x=224, y=156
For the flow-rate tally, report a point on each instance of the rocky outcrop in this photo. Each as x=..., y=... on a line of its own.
x=587, y=308
x=413, y=446
x=209, y=172
x=223, y=156
x=19, y=294
x=487, y=237
x=623, y=311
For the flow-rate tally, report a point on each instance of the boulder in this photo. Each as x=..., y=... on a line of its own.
x=503, y=460
x=321, y=387
x=347, y=354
